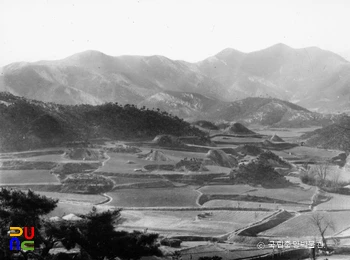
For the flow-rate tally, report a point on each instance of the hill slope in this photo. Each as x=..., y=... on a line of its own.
x=254, y=110
x=335, y=136
x=93, y=77
x=311, y=77
x=28, y=124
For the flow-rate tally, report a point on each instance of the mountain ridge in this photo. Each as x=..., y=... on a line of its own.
x=311, y=77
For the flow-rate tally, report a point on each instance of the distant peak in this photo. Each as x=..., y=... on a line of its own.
x=228, y=51
x=89, y=53
x=280, y=46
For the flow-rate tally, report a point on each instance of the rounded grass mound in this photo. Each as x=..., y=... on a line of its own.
x=157, y=156
x=276, y=138
x=220, y=158
x=238, y=128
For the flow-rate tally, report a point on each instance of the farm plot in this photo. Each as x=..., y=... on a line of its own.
x=126, y=180
x=226, y=189
x=178, y=155
x=118, y=163
x=64, y=208
x=27, y=176
x=30, y=154
x=285, y=133
x=253, y=205
x=312, y=152
x=191, y=222
x=236, y=140
x=155, y=197
x=74, y=197
x=291, y=194
x=301, y=226
x=337, y=202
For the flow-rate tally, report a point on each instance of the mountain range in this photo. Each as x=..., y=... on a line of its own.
x=310, y=77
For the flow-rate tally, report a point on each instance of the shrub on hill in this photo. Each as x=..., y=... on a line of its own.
x=249, y=149
x=258, y=172
x=220, y=158
x=238, y=128
x=335, y=136
x=193, y=165
x=206, y=124
x=223, y=125
x=273, y=159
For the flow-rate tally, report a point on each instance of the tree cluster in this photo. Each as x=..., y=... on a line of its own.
x=27, y=124
x=258, y=172
x=94, y=235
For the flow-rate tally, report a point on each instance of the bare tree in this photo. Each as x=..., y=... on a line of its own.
x=322, y=170
x=336, y=183
x=322, y=223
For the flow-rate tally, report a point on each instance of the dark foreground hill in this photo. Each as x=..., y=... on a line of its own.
x=28, y=124
x=334, y=136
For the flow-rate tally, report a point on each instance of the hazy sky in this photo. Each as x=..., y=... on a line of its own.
x=189, y=30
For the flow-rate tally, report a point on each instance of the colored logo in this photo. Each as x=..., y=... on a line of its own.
x=16, y=244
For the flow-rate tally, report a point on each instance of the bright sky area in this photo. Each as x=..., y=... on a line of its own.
x=190, y=30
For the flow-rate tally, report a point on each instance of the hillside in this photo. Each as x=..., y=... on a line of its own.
x=311, y=77
x=183, y=104
x=269, y=111
x=335, y=136
x=253, y=110
x=93, y=77
x=28, y=124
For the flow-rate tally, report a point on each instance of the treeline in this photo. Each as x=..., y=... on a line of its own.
x=27, y=124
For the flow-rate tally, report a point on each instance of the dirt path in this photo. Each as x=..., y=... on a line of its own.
x=105, y=202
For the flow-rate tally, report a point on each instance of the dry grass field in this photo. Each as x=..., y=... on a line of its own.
x=291, y=194
x=226, y=189
x=188, y=223
x=118, y=163
x=254, y=205
x=301, y=226
x=74, y=197
x=27, y=176
x=337, y=202
x=156, y=197
x=305, y=152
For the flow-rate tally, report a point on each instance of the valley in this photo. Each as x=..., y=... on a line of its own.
x=185, y=192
